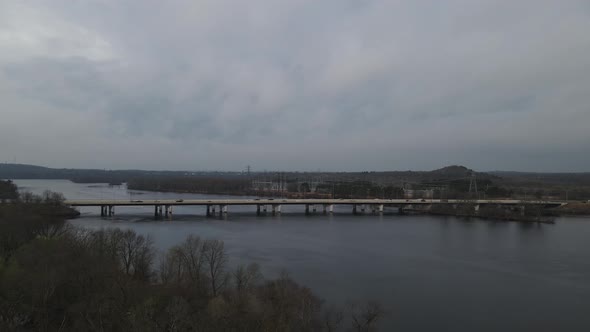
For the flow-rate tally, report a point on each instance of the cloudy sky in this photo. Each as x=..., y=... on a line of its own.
x=296, y=84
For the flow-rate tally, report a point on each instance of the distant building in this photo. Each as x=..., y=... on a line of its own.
x=418, y=193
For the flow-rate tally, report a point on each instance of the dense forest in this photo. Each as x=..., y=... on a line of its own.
x=54, y=277
x=203, y=185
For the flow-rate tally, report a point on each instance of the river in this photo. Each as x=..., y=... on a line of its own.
x=430, y=273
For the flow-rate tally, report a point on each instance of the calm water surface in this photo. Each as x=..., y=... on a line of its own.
x=430, y=273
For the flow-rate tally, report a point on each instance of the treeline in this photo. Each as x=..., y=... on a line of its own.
x=358, y=189
x=579, y=193
x=204, y=185
x=21, y=171
x=366, y=189
x=464, y=189
x=8, y=190
x=54, y=277
x=48, y=204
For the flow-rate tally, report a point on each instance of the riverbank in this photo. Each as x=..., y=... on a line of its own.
x=525, y=213
x=507, y=218
x=43, y=210
x=65, y=212
x=574, y=209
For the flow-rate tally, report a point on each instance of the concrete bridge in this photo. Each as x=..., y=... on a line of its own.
x=164, y=207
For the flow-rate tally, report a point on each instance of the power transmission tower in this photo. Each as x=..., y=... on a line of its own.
x=473, y=185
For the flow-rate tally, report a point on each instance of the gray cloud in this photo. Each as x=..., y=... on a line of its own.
x=296, y=84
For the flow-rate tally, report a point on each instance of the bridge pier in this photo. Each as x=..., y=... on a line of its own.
x=157, y=211
x=222, y=210
x=164, y=207
x=276, y=209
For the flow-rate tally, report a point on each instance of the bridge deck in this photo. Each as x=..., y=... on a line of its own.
x=279, y=201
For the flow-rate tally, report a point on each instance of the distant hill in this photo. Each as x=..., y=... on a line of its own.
x=453, y=171
x=441, y=175
x=24, y=171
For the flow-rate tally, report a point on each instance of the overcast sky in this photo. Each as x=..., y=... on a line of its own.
x=296, y=84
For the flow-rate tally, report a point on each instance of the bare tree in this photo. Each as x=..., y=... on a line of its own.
x=184, y=263
x=136, y=254
x=28, y=197
x=332, y=319
x=247, y=277
x=47, y=227
x=171, y=267
x=215, y=260
x=192, y=255
x=53, y=198
x=365, y=316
